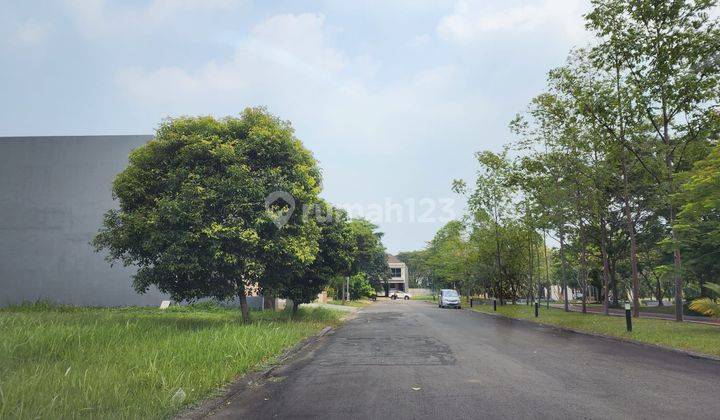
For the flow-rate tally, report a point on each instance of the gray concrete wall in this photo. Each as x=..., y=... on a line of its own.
x=53, y=193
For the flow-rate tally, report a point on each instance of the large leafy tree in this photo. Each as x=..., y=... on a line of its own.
x=666, y=54
x=336, y=254
x=600, y=159
x=489, y=200
x=449, y=256
x=550, y=168
x=698, y=222
x=370, y=257
x=595, y=88
x=191, y=207
x=418, y=270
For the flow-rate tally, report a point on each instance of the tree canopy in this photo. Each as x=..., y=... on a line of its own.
x=199, y=214
x=608, y=188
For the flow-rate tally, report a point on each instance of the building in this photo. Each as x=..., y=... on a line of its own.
x=53, y=194
x=398, y=274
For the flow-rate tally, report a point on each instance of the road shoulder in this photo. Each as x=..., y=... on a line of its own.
x=688, y=353
x=212, y=405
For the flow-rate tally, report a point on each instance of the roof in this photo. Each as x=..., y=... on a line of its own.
x=391, y=259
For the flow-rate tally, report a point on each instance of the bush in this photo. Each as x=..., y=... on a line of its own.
x=360, y=287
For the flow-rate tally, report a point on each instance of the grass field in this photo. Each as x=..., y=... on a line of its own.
x=687, y=336
x=68, y=362
x=667, y=309
x=427, y=298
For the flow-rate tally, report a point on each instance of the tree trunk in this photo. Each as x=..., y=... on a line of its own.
x=583, y=268
x=606, y=266
x=547, y=270
x=295, y=308
x=493, y=287
x=513, y=291
x=677, y=266
x=563, y=264
x=659, y=293
x=498, y=262
x=530, y=268
x=244, y=307
x=269, y=302
x=630, y=226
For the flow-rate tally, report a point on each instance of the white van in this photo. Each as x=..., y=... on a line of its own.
x=449, y=298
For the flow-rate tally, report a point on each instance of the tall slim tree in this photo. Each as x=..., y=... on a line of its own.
x=490, y=198
x=667, y=51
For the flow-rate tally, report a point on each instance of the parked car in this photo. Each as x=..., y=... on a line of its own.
x=449, y=298
x=399, y=294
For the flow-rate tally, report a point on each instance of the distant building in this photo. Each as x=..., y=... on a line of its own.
x=398, y=274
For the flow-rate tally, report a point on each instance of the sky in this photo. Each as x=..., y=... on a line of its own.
x=392, y=97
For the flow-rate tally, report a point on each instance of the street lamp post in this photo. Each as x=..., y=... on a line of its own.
x=628, y=317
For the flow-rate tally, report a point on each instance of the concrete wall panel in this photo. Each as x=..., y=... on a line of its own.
x=53, y=193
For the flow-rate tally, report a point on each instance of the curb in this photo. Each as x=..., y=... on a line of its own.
x=206, y=407
x=688, y=353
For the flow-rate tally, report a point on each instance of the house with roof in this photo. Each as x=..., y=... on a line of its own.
x=398, y=274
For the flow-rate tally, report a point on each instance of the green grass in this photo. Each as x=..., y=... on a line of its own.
x=69, y=362
x=355, y=303
x=668, y=310
x=428, y=298
x=687, y=336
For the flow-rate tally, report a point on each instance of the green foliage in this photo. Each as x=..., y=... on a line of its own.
x=448, y=254
x=360, y=287
x=698, y=222
x=371, y=257
x=596, y=166
x=336, y=255
x=192, y=213
x=419, y=273
x=708, y=306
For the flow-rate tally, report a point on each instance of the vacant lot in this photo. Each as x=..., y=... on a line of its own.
x=687, y=336
x=134, y=362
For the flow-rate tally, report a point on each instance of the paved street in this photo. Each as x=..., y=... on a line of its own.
x=408, y=359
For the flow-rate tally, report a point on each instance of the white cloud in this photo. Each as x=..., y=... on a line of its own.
x=289, y=63
x=279, y=51
x=100, y=17
x=30, y=33
x=475, y=21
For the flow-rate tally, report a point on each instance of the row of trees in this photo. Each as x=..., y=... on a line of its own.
x=616, y=164
x=196, y=215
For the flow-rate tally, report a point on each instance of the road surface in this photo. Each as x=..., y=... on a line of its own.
x=409, y=359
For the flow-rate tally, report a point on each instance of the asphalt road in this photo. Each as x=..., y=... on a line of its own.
x=408, y=359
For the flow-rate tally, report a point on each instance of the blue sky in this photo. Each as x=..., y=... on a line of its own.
x=393, y=98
